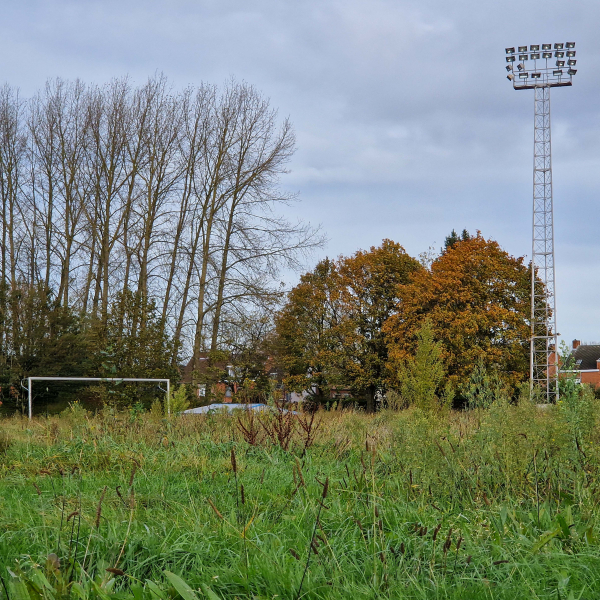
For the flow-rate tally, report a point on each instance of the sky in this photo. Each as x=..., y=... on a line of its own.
x=406, y=124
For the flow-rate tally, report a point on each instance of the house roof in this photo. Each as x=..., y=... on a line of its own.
x=204, y=365
x=587, y=354
x=187, y=370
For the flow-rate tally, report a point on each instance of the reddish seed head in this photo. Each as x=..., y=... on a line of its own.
x=233, y=461
x=326, y=488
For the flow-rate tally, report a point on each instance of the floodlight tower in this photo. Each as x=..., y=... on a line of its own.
x=534, y=72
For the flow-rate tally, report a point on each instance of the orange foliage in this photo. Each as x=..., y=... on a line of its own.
x=477, y=298
x=330, y=329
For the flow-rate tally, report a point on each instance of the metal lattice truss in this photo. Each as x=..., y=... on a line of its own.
x=543, y=356
x=540, y=67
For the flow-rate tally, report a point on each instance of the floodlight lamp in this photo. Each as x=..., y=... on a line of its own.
x=570, y=44
x=520, y=66
x=536, y=75
x=523, y=56
x=509, y=67
x=559, y=54
x=535, y=56
x=559, y=46
x=572, y=71
x=534, y=47
x=510, y=50
x=522, y=48
x=557, y=73
x=547, y=55
x=570, y=53
x=560, y=63
x=523, y=75
x=510, y=77
x=571, y=62
x=510, y=59
x=546, y=46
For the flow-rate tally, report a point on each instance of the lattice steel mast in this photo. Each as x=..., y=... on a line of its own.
x=543, y=342
x=543, y=367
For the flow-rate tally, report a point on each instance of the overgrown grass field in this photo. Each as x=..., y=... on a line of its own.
x=500, y=503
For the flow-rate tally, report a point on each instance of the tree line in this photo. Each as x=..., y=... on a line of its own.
x=381, y=321
x=144, y=217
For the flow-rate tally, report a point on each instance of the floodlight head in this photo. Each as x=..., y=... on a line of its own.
x=559, y=54
x=535, y=56
x=534, y=47
x=570, y=53
x=560, y=63
x=546, y=54
x=570, y=44
x=557, y=73
x=559, y=46
x=509, y=67
x=520, y=66
x=522, y=48
x=523, y=56
x=523, y=75
x=546, y=46
x=510, y=77
x=572, y=71
x=536, y=75
x=510, y=50
x=510, y=59
x=571, y=62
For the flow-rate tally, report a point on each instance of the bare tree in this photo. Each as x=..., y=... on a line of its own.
x=110, y=174
x=12, y=166
x=168, y=197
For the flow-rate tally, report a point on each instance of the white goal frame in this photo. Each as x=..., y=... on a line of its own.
x=30, y=381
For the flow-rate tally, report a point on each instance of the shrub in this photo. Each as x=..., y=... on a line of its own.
x=420, y=376
x=179, y=400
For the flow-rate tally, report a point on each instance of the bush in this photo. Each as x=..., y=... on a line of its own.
x=179, y=400
x=420, y=376
x=482, y=388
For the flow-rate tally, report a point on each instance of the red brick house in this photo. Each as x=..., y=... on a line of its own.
x=586, y=362
x=226, y=373
x=222, y=389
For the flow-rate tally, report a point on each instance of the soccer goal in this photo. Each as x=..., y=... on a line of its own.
x=30, y=381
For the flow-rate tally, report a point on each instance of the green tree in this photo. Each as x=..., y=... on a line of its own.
x=45, y=339
x=421, y=375
x=482, y=387
x=133, y=343
x=454, y=237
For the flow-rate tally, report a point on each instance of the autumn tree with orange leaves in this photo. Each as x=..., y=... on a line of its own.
x=306, y=342
x=330, y=330
x=476, y=297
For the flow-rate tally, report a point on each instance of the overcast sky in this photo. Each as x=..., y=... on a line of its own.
x=406, y=124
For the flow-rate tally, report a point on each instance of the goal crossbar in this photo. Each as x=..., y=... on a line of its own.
x=30, y=381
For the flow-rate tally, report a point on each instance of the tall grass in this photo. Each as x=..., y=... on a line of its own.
x=500, y=503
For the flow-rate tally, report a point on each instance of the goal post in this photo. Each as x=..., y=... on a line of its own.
x=30, y=381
